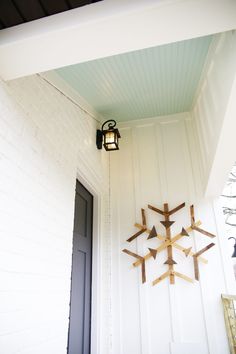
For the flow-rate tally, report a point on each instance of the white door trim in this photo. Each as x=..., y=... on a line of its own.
x=96, y=263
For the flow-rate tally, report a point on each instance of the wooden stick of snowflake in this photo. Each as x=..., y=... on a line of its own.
x=169, y=242
x=142, y=261
x=187, y=251
x=195, y=259
x=195, y=227
x=143, y=228
x=204, y=232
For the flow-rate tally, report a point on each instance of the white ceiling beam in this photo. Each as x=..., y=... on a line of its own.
x=225, y=154
x=108, y=28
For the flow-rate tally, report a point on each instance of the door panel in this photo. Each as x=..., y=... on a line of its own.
x=80, y=306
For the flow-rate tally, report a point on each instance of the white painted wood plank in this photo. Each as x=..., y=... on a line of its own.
x=160, y=158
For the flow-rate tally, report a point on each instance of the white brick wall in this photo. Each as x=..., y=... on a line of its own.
x=45, y=141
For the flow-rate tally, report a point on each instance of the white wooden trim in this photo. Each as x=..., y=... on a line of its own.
x=225, y=152
x=96, y=263
x=95, y=31
x=54, y=79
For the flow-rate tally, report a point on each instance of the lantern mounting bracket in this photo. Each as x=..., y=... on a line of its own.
x=234, y=253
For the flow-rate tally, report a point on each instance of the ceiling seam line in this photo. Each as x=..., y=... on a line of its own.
x=43, y=8
x=2, y=24
x=19, y=11
x=68, y=4
x=70, y=99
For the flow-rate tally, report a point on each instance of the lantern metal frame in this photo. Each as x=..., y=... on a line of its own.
x=104, y=135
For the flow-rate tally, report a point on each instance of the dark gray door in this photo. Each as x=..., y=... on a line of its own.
x=80, y=305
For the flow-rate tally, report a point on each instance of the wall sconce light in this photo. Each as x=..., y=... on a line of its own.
x=109, y=137
x=234, y=253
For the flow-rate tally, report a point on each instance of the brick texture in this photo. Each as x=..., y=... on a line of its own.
x=45, y=142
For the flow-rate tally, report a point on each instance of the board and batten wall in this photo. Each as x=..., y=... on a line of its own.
x=46, y=141
x=214, y=113
x=158, y=162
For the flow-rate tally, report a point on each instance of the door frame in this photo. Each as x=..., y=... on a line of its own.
x=96, y=263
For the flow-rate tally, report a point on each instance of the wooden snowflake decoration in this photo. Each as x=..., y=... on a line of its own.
x=168, y=243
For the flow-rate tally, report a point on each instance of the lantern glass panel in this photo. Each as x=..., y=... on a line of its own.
x=111, y=146
x=110, y=137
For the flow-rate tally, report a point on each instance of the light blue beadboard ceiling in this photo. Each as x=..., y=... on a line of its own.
x=141, y=84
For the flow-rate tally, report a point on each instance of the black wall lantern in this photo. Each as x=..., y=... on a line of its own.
x=234, y=253
x=109, y=137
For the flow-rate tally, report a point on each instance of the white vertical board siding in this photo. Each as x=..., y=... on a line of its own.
x=158, y=162
x=214, y=113
x=45, y=143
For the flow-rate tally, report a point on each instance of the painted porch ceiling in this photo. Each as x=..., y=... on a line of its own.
x=146, y=83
